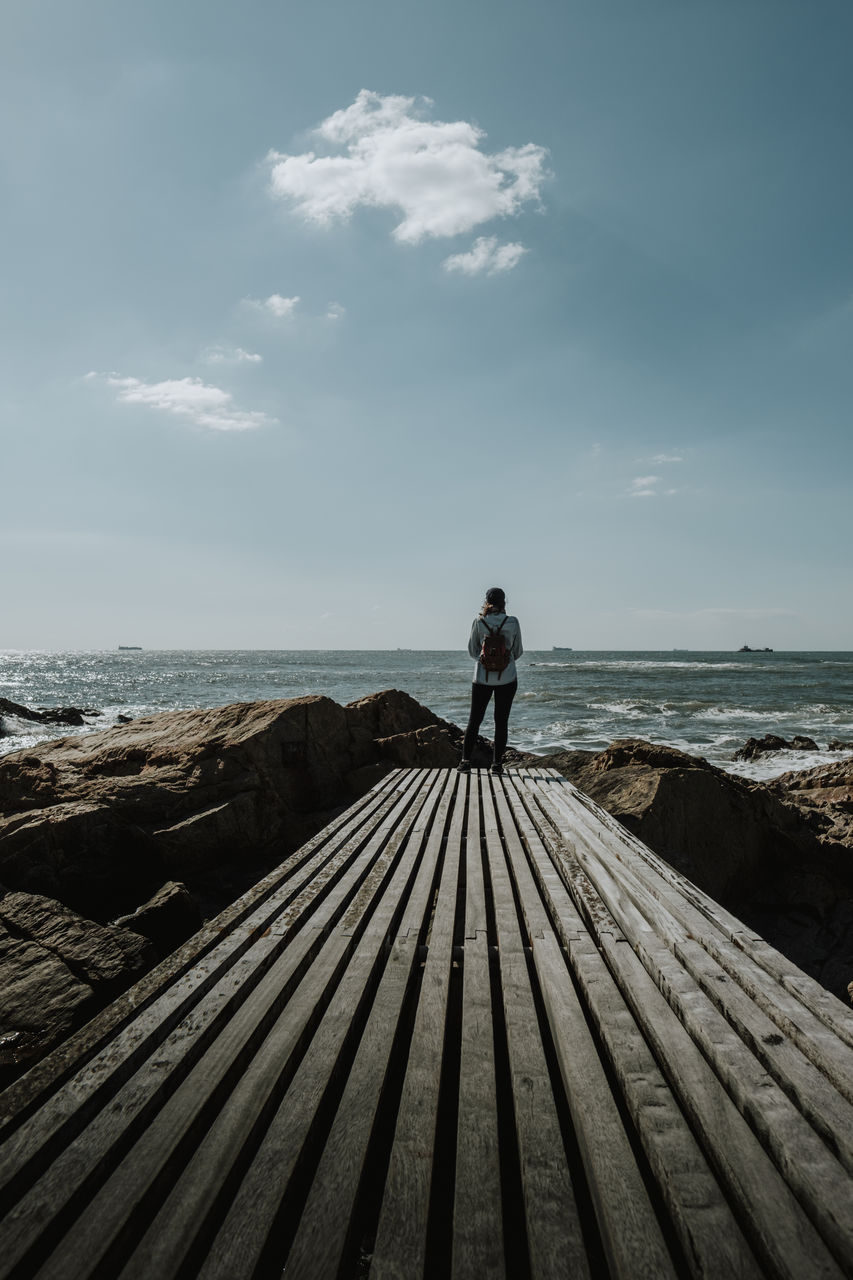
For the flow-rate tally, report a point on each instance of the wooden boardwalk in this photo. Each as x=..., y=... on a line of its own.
x=471, y=1029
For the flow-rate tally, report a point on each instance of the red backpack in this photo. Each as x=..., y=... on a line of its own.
x=494, y=655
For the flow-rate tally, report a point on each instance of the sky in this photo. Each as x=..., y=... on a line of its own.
x=320, y=319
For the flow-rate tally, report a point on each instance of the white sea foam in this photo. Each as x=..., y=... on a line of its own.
x=770, y=766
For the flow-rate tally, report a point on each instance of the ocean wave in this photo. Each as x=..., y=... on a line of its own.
x=772, y=766
x=818, y=713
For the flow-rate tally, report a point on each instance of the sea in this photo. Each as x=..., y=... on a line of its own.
x=707, y=704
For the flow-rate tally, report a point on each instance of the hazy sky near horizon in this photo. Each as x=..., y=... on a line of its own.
x=319, y=319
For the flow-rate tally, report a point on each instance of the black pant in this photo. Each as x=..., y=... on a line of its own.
x=480, y=695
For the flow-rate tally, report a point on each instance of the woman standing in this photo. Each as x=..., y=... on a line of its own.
x=495, y=643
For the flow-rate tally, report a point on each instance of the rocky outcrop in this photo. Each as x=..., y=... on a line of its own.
x=56, y=970
x=778, y=855
x=101, y=821
x=166, y=920
x=823, y=797
x=771, y=742
x=48, y=715
x=94, y=825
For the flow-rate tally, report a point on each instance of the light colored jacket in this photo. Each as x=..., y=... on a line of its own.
x=511, y=631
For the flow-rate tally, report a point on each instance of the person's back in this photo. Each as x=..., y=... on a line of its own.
x=483, y=627
x=495, y=643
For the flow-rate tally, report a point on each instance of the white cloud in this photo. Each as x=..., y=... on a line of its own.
x=230, y=355
x=275, y=305
x=335, y=311
x=644, y=487
x=647, y=487
x=661, y=458
x=204, y=405
x=487, y=256
x=432, y=172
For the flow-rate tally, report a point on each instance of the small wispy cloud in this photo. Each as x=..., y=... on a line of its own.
x=647, y=487
x=275, y=305
x=230, y=355
x=644, y=487
x=190, y=398
x=433, y=172
x=486, y=257
x=335, y=311
x=660, y=458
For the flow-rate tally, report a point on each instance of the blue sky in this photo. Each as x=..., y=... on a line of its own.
x=320, y=319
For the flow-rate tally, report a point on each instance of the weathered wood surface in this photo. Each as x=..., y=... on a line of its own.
x=472, y=1029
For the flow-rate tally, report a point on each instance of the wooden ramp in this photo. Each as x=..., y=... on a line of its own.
x=471, y=1029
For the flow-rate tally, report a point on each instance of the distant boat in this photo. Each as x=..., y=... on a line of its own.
x=746, y=649
x=560, y=648
x=126, y=648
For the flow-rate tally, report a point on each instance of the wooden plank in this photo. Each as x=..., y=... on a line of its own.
x=816, y=998
x=629, y=1229
x=815, y=1096
x=229, y=1018
x=803, y=1158
x=721, y=935
x=813, y=1172
x=169, y=995
x=554, y=1237
x=710, y=1237
x=832, y=1013
x=478, y=1243
x=400, y=1251
x=41, y=1082
x=782, y=1235
x=776, y=1226
x=252, y=1222
x=185, y=1219
x=320, y=1240
x=244, y=1117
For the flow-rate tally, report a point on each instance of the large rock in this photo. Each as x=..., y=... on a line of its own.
x=167, y=919
x=409, y=749
x=102, y=820
x=94, y=825
x=56, y=970
x=753, y=748
x=778, y=855
x=824, y=798
x=392, y=712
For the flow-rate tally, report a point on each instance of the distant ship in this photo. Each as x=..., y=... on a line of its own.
x=746, y=649
x=126, y=648
x=560, y=648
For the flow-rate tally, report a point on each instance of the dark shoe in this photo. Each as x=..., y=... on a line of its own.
x=496, y=770
x=464, y=766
